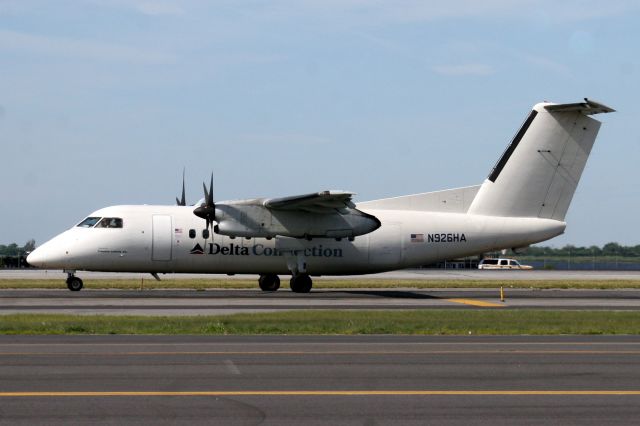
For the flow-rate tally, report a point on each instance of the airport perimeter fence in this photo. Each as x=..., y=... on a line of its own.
x=584, y=265
x=568, y=264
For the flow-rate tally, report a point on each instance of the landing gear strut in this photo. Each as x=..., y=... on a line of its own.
x=269, y=282
x=301, y=283
x=74, y=283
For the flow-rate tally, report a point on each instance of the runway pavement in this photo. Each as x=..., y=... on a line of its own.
x=407, y=274
x=218, y=302
x=293, y=380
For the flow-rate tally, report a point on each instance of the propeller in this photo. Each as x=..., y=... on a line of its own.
x=207, y=210
x=183, y=200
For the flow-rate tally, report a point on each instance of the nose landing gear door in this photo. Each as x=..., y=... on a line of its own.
x=162, y=236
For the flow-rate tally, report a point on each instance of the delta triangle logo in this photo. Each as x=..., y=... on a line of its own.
x=197, y=250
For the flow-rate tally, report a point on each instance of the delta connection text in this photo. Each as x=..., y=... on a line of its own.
x=261, y=250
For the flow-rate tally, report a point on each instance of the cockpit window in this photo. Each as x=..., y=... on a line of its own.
x=88, y=222
x=110, y=222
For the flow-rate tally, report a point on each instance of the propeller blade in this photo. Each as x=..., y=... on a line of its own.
x=207, y=210
x=210, y=196
x=183, y=200
x=206, y=194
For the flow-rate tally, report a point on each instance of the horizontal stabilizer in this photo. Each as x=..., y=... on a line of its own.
x=587, y=107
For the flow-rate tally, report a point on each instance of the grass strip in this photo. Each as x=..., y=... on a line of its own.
x=217, y=283
x=416, y=322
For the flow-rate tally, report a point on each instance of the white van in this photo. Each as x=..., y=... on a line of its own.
x=492, y=263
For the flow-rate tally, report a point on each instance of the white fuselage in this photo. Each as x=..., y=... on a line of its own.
x=157, y=239
x=524, y=200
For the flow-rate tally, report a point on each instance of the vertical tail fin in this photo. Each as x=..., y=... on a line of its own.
x=539, y=171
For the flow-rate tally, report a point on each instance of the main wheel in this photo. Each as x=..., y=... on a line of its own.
x=74, y=284
x=269, y=282
x=301, y=283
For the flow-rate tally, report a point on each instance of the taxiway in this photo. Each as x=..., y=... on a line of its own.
x=219, y=302
x=289, y=380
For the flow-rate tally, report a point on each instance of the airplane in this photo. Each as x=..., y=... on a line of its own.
x=523, y=201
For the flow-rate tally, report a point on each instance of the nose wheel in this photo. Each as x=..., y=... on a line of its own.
x=74, y=283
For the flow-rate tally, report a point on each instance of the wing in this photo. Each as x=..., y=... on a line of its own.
x=324, y=202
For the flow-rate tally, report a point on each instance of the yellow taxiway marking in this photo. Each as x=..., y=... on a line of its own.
x=331, y=393
x=479, y=303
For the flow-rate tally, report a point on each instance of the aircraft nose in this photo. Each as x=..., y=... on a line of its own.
x=37, y=258
x=50, y=255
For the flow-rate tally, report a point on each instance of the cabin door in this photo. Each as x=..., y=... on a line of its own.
x=161, y=245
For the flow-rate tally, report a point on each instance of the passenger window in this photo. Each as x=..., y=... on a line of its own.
x=192, y=233
x=88, y=222
x=504, y=262
x=205, y=233
x=110, y=222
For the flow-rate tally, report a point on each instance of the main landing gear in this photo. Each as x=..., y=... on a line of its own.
x=269, y=282
x=300, y=283
x=74, y=283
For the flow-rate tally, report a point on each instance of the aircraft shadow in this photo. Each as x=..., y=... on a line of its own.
x=392, y=294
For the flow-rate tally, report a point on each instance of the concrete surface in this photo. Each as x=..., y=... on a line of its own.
x=293, y=380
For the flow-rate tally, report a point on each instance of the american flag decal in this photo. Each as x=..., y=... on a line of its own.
x=417, y=238
x=178, y=230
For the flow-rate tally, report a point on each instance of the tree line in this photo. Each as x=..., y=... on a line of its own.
x=609, y=249
x=14, y=249
x=14, y=256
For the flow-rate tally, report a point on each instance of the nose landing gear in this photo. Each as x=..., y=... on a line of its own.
x=74, y=283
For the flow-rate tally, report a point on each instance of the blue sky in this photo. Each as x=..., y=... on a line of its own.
x=103, y=102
